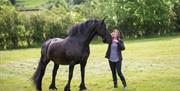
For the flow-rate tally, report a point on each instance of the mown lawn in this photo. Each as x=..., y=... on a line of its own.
x=31, y=3
x=149, y=65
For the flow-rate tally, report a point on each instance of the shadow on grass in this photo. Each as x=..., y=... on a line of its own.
x=126, y=89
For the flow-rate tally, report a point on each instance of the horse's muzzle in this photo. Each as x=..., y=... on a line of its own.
x=105, y=41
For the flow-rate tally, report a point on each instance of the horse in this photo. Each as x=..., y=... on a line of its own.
x=72, y=50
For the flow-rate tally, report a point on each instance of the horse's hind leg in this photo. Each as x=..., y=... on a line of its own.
x=54, y=72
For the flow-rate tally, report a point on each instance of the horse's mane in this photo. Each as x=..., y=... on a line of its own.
x=81, y=27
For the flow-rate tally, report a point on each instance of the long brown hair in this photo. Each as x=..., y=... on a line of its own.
x=120, y=34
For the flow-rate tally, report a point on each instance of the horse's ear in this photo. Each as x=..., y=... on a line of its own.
x=103, y=20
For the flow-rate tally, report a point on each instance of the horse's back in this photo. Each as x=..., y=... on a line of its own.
x=46, y=45
x=56, y=51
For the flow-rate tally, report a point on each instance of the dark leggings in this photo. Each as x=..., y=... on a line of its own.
x=116, y=66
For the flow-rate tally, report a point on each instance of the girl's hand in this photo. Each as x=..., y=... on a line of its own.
x=115, y=40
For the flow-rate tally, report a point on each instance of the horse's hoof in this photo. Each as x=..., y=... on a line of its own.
x=82, y=88
x=67, y=89
x=52, y=88
x=124, y=87
x=38, y=89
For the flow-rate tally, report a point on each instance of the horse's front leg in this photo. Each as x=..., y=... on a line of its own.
x=67, y=87
x=82, y=85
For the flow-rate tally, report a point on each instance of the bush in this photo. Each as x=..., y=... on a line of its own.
x=136, y=18
x=10, y=20
x=20, y=30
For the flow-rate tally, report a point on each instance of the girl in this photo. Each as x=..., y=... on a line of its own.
x=115, y=57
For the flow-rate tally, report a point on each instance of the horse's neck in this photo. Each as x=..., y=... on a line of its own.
x=89, y=37
x=84, y=38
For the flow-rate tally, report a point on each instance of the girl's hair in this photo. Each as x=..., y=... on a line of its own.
x=120, y=34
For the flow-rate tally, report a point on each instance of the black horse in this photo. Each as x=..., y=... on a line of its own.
x=72, y=50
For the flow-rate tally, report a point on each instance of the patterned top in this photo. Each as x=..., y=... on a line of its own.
x=114, y=57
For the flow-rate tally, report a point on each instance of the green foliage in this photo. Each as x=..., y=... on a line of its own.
x=38, y=25
x=135, y=18
x=9, y=25
x=176, y=14
x=20, y=30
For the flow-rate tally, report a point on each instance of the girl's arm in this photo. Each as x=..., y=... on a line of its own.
x=121, y=45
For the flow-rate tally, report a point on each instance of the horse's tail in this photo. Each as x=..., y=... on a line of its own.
x=35, y=78
x=36, y=75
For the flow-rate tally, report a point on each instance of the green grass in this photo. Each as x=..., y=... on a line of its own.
x=31, y=3
x=148, y=64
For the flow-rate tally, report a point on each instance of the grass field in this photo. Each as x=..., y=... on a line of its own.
x=149, y=65
x=31, y=3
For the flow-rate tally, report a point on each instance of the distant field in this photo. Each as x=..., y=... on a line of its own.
x=149, y=65
x=31, y=3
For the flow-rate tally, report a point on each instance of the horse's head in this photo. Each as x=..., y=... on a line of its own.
x=103, y=31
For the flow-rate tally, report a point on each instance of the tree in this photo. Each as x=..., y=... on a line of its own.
x=135, y=18
x=176, y=15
